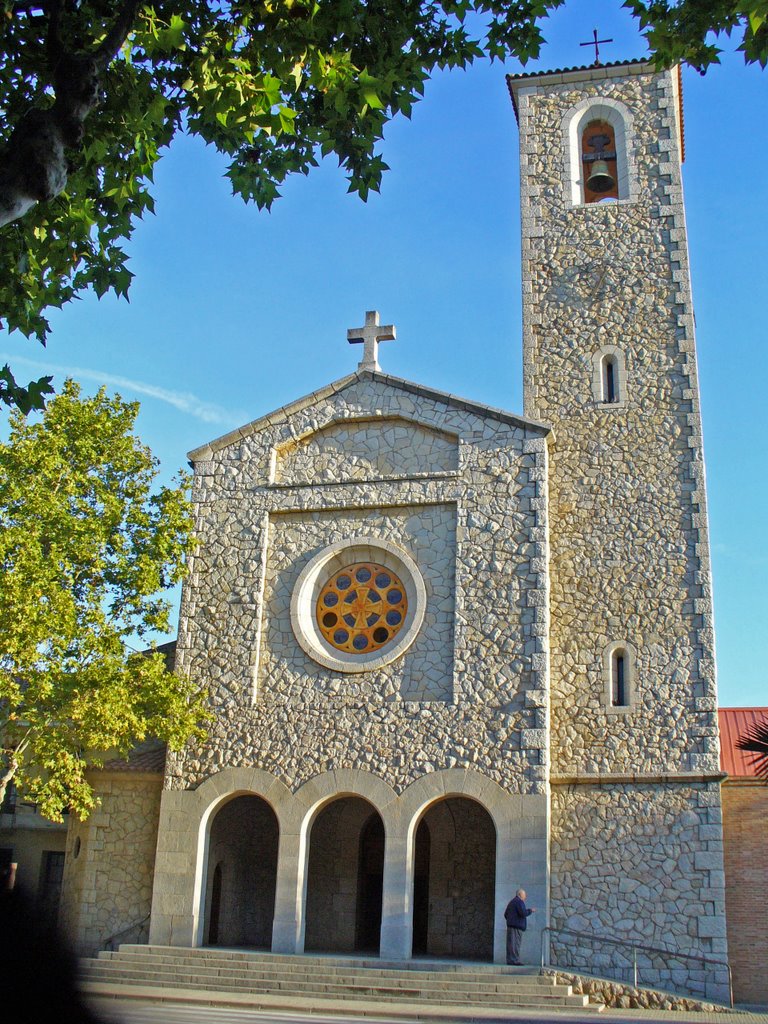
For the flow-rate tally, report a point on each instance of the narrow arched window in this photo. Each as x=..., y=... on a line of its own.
x=600, y=171
x=610, y=379
x=619, y=679
x=620, y=693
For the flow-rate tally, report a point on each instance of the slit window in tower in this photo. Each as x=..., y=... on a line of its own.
x=618, y=681
x=610, y=393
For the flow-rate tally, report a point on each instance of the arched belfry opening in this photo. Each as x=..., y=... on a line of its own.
x=242, y=874
x=600, y=172
x=345, y=875
x=454, y=881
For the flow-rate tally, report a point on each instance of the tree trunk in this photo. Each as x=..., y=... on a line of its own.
x=33, y=163
x=33, y=166
x=8, y=773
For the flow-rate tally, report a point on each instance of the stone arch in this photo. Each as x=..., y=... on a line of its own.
x=457, y=783
x=366, y=796
x=619, y=117
x=242, y=854
x=458, y=888
x=344, y=877
x=209, y=799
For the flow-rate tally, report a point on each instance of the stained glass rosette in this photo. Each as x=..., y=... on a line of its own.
x=361, y=608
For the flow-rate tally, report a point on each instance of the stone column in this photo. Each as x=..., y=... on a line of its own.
x=287, y=930
x=175, y=917
x=397, y=902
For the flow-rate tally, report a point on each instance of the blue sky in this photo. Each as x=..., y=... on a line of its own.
x=234, y=312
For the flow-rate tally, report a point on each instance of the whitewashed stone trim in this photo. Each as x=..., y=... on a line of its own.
x=598, y=389
x=619, y=116
x=334, y=558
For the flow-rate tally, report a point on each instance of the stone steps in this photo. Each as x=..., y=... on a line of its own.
x=287, y=980
x=298, y=969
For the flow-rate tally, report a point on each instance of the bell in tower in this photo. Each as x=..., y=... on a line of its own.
x=599, y=161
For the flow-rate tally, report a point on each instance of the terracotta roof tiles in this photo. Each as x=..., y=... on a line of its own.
x=734, y=722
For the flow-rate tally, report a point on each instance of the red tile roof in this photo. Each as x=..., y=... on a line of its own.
x=734, y=722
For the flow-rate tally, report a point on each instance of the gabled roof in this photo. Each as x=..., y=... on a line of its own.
x=580, y=73
x=284, y=412
x=734, y=722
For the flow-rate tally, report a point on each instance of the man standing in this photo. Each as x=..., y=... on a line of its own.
x=516, y=915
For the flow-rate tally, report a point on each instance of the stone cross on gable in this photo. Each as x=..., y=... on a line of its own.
x=369, y=337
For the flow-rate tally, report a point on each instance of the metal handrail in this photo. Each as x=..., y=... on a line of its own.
x=635, y=947
x=110, y=942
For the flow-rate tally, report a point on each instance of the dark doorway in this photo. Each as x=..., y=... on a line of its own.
x=370, y=884
x=345, y=874
x=242, y=874
x=49, y=890
x=213, y=926
x=454, y=881
x=421, y=890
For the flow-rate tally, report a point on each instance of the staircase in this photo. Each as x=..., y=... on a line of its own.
x=330, y=984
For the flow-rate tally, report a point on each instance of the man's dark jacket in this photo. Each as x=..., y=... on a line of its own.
x=516, y=915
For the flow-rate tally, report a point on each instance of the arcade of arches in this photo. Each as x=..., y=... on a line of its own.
x=453, y=878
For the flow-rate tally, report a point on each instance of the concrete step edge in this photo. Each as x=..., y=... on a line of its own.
x=321, y=960
x=220, y=984
x=499, y=983
x=358, y=1008
x=350, y=992
x=297, y=964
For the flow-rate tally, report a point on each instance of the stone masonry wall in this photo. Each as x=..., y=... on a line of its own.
x=428, y=532
x=472, y=689
x=629, y=546
x=109, y=866
x=367, y=450
x=639, y=856
x=640, y=863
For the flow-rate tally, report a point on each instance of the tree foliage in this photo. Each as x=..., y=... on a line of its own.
x=755, y=740
x=86, y=550
x=91, y=91
x=684, y=31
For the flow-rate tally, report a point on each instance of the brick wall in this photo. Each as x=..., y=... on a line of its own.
x=745, y=821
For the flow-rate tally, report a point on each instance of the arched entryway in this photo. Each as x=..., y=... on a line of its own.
x=454, y=881
x=345, y=873
x=242, y=872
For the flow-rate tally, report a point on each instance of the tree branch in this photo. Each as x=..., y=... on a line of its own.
x=54, y=47
x=33, y=164
x=117, y=35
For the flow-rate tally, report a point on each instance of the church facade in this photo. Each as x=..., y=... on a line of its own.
x=450, y=650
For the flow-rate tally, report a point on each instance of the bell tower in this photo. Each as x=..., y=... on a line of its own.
x=609, y=361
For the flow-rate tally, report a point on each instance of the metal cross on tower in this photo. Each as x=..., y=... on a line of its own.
x=369, y=337
x=596, y=43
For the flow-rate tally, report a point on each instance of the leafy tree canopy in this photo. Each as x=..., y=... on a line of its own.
x=684, y=30
x=91, y=91
x=86, y=550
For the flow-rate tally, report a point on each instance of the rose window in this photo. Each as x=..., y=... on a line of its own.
x=361, y=607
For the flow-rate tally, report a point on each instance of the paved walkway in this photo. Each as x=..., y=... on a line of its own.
x=204, y=1008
